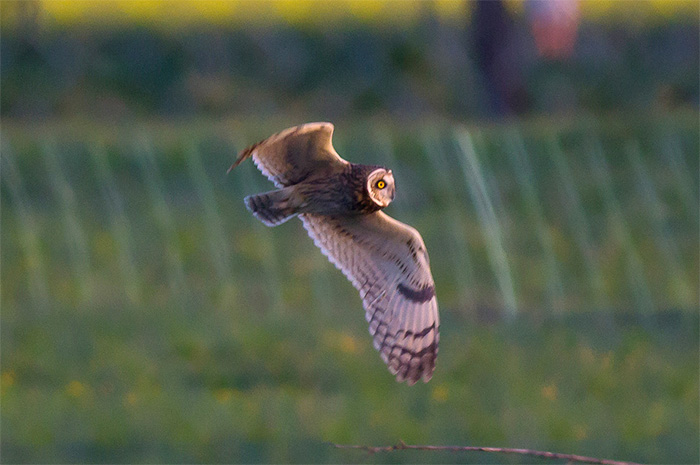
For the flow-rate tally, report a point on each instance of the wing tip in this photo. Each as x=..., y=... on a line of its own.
x=299, y=129
x=417, y=367
x=242, y=155
x=410, y=380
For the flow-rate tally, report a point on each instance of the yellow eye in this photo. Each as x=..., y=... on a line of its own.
x=381, y=184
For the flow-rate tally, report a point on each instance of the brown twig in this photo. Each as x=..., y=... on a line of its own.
x=501, y=450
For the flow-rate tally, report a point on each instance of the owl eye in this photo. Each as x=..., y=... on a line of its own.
x=381, y=184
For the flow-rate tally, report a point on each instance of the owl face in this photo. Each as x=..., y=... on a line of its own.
x=380, y=186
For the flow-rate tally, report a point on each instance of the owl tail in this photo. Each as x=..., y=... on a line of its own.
x=273, y=208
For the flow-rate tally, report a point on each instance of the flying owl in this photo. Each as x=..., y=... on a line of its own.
x=340, y=205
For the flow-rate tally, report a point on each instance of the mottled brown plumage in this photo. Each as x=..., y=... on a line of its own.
x=339, y=204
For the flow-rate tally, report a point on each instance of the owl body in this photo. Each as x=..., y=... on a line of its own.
x=340, y=206
x=351, y=189
x=345, y=193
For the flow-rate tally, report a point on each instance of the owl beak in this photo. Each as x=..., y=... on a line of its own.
x=393, y=186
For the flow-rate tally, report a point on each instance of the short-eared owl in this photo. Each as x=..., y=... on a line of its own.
x=340, y=205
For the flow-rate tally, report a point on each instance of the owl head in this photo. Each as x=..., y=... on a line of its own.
x=380, y=186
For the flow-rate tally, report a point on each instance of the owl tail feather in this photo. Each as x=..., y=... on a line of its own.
x=273, y=208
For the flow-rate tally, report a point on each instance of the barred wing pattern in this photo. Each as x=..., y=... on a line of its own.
x=290, y=156
x=387, y=262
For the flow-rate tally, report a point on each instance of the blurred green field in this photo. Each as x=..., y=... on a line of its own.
x=148, y=317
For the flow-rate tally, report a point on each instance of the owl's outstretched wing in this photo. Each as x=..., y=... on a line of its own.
x=387, y=262
x=290, y=156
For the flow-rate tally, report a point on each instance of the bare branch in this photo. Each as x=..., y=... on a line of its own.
x=501, y=450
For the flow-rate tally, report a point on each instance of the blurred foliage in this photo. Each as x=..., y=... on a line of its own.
x=399, y=59
x=175, y=14
x=147, y=317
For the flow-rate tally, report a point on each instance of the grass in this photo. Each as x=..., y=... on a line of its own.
x=147, y=317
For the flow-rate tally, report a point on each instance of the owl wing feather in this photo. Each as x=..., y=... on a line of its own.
x=290, y=156
x=387, y=262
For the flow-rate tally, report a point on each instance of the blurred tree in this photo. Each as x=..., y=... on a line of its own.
x=493, y=38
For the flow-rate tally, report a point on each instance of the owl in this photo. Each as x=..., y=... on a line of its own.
x=340, y=205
